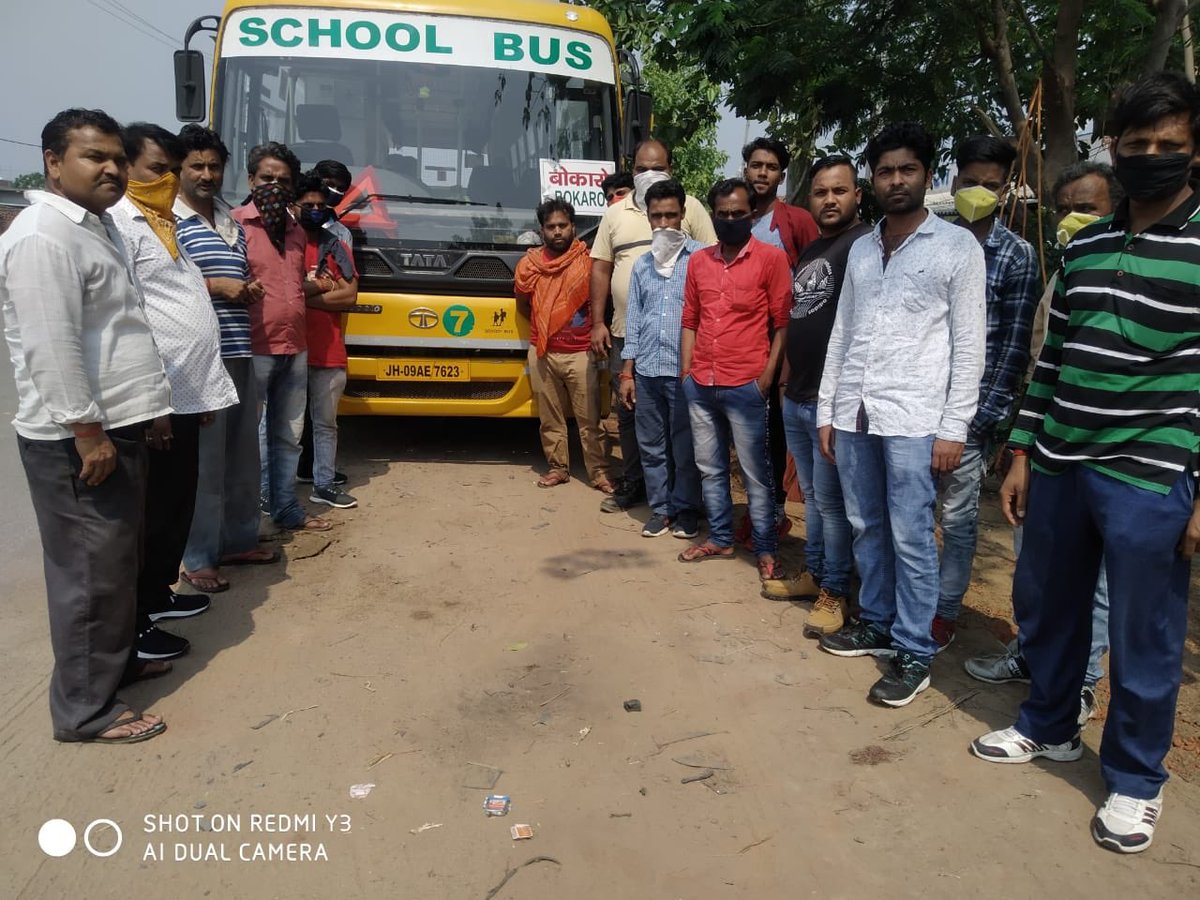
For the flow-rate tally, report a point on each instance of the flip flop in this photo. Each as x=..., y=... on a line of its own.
x=152, y=731
x=249, y=558
x=310, y=523
x=605, y=487
x=205, y=584
x=553, y=479
x=702, y=552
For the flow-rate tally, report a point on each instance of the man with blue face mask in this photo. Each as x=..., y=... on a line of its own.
x=1109, y=430
x=621, y=239
x=980, y=188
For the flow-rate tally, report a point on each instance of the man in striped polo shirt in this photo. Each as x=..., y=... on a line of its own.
x=225, y=523
x=1109, y=427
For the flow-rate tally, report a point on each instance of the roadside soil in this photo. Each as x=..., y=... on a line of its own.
x=462, y=633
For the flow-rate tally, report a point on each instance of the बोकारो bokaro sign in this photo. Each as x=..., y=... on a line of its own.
x=431, y=40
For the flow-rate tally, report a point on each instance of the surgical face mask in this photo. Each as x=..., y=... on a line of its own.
x=315, y=218
x=642, y=181
x=975, y=202
x=733, y=232
x=1152, y=176
x=665, y=245
x=1071, y=224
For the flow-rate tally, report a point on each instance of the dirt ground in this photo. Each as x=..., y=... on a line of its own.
x=464, y=633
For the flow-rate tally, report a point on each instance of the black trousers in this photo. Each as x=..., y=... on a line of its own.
x=91, y=551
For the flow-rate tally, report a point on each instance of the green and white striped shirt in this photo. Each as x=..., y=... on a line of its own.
x=1117, y=383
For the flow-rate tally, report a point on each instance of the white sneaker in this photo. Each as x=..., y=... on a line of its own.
x=1126, y=824
x=1087, y=705
x=1010, y=746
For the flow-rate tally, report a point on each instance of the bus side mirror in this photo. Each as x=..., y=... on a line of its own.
x=189, y=85
x=639, y=111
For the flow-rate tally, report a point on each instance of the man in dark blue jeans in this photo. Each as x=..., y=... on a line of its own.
x=1109, y=427
x=834, y=197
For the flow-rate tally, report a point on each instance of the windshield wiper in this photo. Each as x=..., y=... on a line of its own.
x=409, y=198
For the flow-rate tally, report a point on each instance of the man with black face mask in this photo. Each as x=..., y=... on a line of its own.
x=1109, y=427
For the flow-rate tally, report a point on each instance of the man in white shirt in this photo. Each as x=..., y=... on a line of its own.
x=188, y=337
x=900, y=387
x=89, y=382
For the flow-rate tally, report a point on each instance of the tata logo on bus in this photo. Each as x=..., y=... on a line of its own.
x=454, y=41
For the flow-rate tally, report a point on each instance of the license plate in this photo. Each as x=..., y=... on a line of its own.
x=422, y=370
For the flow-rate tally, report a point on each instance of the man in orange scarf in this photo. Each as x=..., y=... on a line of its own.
x=553, y=282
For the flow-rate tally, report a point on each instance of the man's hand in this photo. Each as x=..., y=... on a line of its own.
x=207, y=419
x=256, y=291
x=827, y=439
x=601, y=340
x=230, y=289
x=764, y=384
x=158, y=435
x=946, y=456
x=627, y=393
x=1014, y=492
x=1190, y=540
x=99, y=458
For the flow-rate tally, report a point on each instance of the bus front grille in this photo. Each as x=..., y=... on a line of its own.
x=427, y=390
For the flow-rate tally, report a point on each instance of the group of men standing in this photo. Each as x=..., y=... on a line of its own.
x=899, y=354
x=152, y=331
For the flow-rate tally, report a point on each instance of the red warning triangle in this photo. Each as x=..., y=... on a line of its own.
x=373, y=215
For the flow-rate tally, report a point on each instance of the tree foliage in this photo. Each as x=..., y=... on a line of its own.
x=686, y=99
x=30, y=181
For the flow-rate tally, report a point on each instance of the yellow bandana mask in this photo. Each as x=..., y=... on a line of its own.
x=1071, y=224
x=975, y=202
x=156, y=200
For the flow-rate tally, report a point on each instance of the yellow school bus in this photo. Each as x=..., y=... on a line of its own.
x=455, y=119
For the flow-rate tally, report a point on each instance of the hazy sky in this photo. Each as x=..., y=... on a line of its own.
x=60, y=53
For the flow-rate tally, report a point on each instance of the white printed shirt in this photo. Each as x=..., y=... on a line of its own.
x=908, y=342
x=181, y=316
x=81, y=347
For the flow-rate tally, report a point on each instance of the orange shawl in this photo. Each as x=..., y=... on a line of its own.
x=558, y=287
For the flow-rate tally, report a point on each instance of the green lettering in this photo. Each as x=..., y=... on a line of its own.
x=254, y=32
x=431, y=44
x=333, y=31
x=412, y=37
x=508, y=47
x=549, y=58
x=579, y=55
x=277, y=33
x=372, y=38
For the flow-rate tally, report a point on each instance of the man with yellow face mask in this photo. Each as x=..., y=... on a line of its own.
x=188, y=338
x=980, y=188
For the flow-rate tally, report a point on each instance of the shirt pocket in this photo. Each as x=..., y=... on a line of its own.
x=917, y=290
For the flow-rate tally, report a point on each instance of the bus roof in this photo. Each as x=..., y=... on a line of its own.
x=541, y=12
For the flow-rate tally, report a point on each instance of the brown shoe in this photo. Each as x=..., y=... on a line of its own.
x=790, y=587
x=828, y=614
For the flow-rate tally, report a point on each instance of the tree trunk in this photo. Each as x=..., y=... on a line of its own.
x=1058, y=94
x=1189, y=49
x=993, y=40
x=1168, y=14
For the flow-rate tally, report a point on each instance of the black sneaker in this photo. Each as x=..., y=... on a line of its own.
x=154, y=643
x=858, y=639
x=339, y=478
x=906, y=677
x=332, y=497
x=686, y=526
x=656, y=526
x=181, y=606
x=626, y=496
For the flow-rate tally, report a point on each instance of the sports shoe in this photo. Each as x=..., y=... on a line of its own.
x=828, y=614
x=339, y=478
x=942, y=632
x=1006, y=667
x=1087, y=705
x=1125, y=824
x=626, y=496
x=332, y=497
x=859, y=639
x=790, y=587
x=154, y=643
x=1010, y=746
x=181, y=606
x=906, y=677
x=686, y=526
x=656, y=526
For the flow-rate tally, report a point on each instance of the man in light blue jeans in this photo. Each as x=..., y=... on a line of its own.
x=284, y=379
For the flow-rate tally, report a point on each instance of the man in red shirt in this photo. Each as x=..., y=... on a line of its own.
x=278, y=329
x=736, y=301
x=553, y=283
x=325, y=255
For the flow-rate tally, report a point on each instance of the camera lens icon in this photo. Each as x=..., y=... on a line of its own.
x=57, y=837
